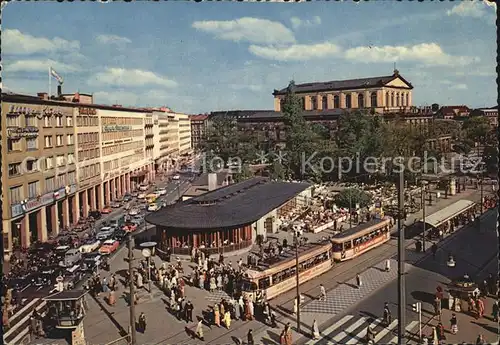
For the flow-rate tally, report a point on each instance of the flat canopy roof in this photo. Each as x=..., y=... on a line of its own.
x=359, y=228
x=66, y=295
x=441, y=216
x=235, y=205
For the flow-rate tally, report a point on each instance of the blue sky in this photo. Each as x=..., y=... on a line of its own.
x=201, y=57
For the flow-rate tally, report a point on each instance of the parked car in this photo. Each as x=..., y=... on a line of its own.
x=95, y=214
x=141, y=195
x=109, y=246
x=91, y=261
x=153, y=207
x=127, y=197
x=107, y=210
x=176, y=177
x=133, y=212
x=105, y=232
x=161, y=191
x=115, y=205
x=143, y=187
x=129, y=227
x=119, y=234
x=72, y=257
x=90, y=245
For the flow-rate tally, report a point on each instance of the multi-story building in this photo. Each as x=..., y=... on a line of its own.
x=198, y=128
x=161, y=134
x=39, y=175
x=184, y=134
x=172, y=138
x=380, y=94
x=490, y=113
x=450, y=112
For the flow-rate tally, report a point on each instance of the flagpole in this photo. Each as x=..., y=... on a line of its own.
x=50, y=84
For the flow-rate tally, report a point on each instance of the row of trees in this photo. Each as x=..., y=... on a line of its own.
x=359, y=135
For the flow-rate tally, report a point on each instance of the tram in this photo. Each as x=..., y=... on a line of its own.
x=281, y=277
x=360, y=239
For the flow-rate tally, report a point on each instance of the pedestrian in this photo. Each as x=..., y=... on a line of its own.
x=111, y=298
x=454, y=324
x=251, y=309
x=437, y=306
x=189, y=312
x=387, y=265
x=495, y=311
x=142, y=323
x=250, y=337
x=199, y=330
x=288, y=334
x=283, y=337
x=227, y=319
x=216, y=315
x=434, y=249
x=480, y=308
x=359, y=283
x=315, y=330
x=322, y=295
x=480, y=340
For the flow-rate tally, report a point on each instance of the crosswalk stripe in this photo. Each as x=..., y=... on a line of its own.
x=331, y=328
x=386, y=330
x=351, y=328
x=408, y=328
x=361, y=335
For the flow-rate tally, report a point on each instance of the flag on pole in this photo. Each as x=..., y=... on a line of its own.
x=56, y=75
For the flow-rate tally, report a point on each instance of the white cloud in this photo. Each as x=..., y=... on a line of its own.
x=130, y=78
x=297, y=22
x=476, y=9
x=248, y=29
x=459, y=87
x=112, y=39
x=16, y=42
x=427, y=53
x=39, y=66
x=296, y=52
x=250, y=87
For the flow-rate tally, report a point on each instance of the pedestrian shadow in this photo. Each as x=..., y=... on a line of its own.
x=354, y=286
x=486, y=327
x=378, y=268
x=121, y=273
x=121, y=331
x=371, y=317
x=283, y=309
x=190, y=332
x=273, y=336
x=236, y=340
x=423, y=296
x=309, y=296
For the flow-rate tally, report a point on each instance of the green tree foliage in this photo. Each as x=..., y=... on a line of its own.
x=351, y=197
x=243, y=174
x=277, y=171
x=440, y=127
x=490, y=158
x=477, y=129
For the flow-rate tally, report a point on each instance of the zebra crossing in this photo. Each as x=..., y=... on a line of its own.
x=217, y=295
x=350, y=330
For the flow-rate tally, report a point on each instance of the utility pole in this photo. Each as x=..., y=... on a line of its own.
x=401, y=262
x=133, y=334
x=297, y=278
x=482, y=203
x=423, y=214
x=350, y=210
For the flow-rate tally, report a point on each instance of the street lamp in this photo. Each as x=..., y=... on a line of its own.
x=133, y=333
x=423, y=190
x=148, y=249
x=297, y=283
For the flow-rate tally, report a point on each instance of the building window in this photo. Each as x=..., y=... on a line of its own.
x=31, y=144
x=373, y=99
x=14, y=121
x=336, y=102
x=48, y=141
x=31, y=165
x=60, y=160
x=49, y=184
x=303, y=103
x=397, y=100
x=33, y=189
x=49, y=163
x=387, y=103
x=348, y=103
x=30, y=121
x=403, y=100
x=72, y=177
x=59, y=121
x=69, y=121
x=324, y=101
x=361, y=100
x=16, y=194
x=60, y=181
x=71, y=158
x=69, y=139
x=314, y=103
x=59, y=140
x=47, y=121
x=14, y=169
x=392, y=100
x=407, y=99
x=13, y=145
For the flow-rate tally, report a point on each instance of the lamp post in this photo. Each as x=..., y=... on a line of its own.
x=133, y=333
x=401, y=262
x=423, y=187
x=297, y=283
x=148, y=249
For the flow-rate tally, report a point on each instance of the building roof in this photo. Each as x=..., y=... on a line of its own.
x=198, y=117
x=360, y=83
x=358, y=228
x=453, y=109
x=271, y=114
x=439, y=217
x=66, y=295
x=231, y=206
x=202, y=180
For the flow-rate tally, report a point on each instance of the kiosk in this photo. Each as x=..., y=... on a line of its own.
x=66, y=311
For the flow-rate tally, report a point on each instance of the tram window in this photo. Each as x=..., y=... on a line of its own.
x=264, y=283
x=337, y=247
x=283, y=275
x=248, y=286
x=347, y=245
x=314, y=261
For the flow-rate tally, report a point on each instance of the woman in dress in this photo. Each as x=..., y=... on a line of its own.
x=315, y=330
x=216, y=315
x=213, y=285
x=251, y=309
x=454, y=324
x=227, y=319
x=199, y=330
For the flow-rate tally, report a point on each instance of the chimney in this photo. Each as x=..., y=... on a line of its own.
x=43, y=95
x=212, y=181
x=59, y=90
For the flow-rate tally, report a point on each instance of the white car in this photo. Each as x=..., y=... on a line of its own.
x=143, y=187
x=141, y=196
x=153, y=207
x=176, y=177
x=133, y=212
x=90, y=246
x=161, y=191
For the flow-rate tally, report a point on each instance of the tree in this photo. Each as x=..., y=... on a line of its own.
x=351, y=196
x=243, y=174
x=490, y=158
x=477, y=129
x=277, y=171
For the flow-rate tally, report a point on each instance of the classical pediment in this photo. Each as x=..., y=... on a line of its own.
x=398, y=82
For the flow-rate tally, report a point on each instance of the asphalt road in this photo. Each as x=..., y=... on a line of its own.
x=473, y=254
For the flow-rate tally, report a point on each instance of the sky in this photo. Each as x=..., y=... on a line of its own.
x=211, y=56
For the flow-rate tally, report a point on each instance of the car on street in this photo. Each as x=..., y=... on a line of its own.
x=71, y=257
x=105, y=232
x=127, y=197
x=90, y=245
x=161, y=191
x=115, y=205
x=119, y=234
x=91, y=261
x=143, y=187
x=141, y=195
x=133, y=212
x=95, y=214
x=176, y=177
x=107, y=210
x=153, y=207
x=129, y=227
x=109, y=246
x=134, y=194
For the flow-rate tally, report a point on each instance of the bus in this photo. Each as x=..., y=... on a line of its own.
x=360, y=239
x=314, y=260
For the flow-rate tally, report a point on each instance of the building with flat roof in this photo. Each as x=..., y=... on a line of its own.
x=184, y=134
x=227, y=219
x=198, y=128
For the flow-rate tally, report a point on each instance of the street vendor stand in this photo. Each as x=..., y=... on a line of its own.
x=460, y=290
x=66, y=311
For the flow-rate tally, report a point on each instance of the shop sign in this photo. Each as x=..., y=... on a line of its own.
x=61, y=193
x=116, y=128
x=19, y=132
x=16, y=210
x=88, y=111
x=38, y=202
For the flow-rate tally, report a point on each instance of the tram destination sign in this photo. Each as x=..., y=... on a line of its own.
x=19, y=132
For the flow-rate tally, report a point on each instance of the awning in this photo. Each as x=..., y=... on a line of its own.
x=441, y=216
